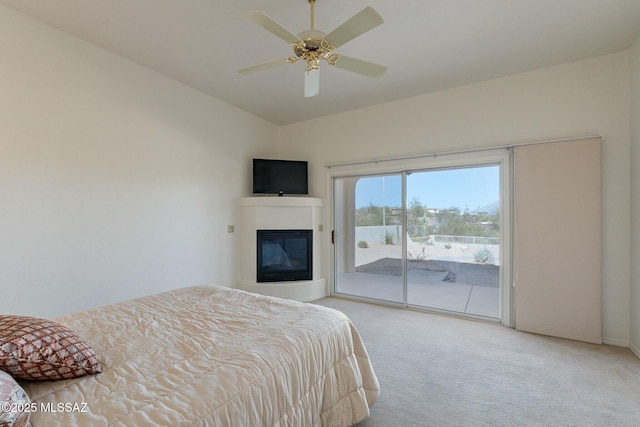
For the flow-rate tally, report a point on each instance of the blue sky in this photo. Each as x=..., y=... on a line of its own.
x=463, y=188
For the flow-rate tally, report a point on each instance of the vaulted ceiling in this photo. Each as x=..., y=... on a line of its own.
x=428, y=45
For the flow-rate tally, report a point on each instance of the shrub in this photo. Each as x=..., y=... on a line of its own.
x=483, y=256
x=363, y=244
x=418, y=257
x=388, y=238
x=447, y=245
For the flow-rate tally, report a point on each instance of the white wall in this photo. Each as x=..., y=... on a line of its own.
x=115, y=182
x=576, y=99
x=635, y=197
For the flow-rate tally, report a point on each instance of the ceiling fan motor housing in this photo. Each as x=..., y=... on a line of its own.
x=313, y=48
x=312, y=42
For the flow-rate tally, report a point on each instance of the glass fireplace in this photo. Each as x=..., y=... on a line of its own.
x=284, y=255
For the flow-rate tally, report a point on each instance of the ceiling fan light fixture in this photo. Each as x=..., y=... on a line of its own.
x=311, y=82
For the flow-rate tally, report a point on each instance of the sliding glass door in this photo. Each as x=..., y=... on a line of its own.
x=369, y=256
x=453, y=240
x=426, y=238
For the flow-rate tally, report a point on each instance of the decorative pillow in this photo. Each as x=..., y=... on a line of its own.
x=39, y=349
x=14, y=403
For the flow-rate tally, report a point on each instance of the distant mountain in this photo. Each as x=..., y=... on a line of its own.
x=490, y=208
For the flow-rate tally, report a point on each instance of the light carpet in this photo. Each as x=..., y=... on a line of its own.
x=437, y=370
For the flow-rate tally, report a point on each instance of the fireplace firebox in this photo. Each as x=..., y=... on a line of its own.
x=284, y=255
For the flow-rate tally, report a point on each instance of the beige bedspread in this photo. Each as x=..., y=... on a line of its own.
x=213, y=356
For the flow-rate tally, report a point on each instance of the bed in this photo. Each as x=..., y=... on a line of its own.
x=212, y=356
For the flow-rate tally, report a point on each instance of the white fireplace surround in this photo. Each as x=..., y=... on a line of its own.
x=279, y=213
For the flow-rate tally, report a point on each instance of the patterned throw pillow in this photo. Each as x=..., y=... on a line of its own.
x=39, y=349
x=14, y=403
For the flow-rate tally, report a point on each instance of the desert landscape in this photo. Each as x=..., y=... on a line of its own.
x=455, y=252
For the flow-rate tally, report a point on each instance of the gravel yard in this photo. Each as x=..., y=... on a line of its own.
x=454, y=265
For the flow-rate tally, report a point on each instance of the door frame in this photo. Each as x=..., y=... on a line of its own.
x=498, y=156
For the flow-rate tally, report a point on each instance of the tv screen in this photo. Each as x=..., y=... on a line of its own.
x=280, y=177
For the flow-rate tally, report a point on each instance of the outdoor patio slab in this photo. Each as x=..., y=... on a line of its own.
x=484, y=301
x=425, y=288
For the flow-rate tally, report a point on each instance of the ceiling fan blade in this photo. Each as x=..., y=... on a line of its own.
x=361, y=67
x=272, y=26
x=358, y=24
x=263, y=66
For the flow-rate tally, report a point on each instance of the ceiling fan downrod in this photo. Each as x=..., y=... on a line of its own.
x=312, y=3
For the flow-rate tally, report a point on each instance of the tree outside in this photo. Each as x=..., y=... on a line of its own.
x=423, y=221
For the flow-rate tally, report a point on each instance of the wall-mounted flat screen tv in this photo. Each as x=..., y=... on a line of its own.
x=280, y=177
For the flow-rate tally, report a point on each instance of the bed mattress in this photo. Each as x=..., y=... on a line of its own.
x=213, y=356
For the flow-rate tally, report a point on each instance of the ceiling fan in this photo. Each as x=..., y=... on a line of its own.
x=313, y=45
